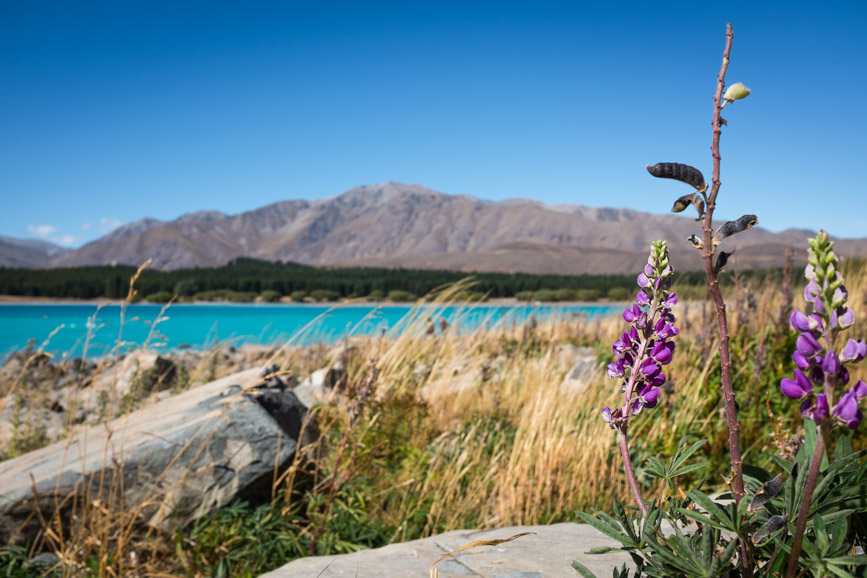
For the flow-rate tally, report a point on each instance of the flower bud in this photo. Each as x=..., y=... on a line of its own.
x=736, y=91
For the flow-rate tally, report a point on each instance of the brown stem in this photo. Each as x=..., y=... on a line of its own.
x=737, y=479
x=801, y=524
x=630, y=473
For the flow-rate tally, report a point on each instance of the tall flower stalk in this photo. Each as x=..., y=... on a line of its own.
x=821, y=366
x=642, y=351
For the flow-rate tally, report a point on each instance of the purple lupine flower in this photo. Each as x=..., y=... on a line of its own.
x=797, y=389
x=854, y=351
x=847, y=411
x=646, y=346
x=820, y=366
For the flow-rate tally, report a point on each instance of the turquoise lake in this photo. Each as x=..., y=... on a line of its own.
x=63, y=328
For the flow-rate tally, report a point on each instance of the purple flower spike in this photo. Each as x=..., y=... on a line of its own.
x=847, y=410
x=854, y=351
x=803, y=323
x=806, y=344
x=798, y=388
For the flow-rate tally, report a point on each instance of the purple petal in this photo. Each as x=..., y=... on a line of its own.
x=643, y=281
x=648, y=270
x=854, y=351
x=860, y=390
x=847, y=410
x=840, y=296
x=650, y=398
x=801, y=361
x=831, y=363
x=663, y=357
x=642, y=298
x=628, y=316
x=671, y=300
x=797, y=388
x=811, y=290
x=657, y=380
x=614, y=370
x=821, y=410
x=801, y=322
x=807, y=345
x=845, y=317
x=606, y=414
x=650, y=368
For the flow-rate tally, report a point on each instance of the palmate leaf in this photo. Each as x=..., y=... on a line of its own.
x=675, y=468
x=612, y=530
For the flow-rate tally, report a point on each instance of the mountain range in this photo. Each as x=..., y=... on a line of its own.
x=397, y=225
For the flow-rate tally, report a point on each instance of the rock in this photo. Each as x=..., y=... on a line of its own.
x=172, y=461
x=581, y=373
x=549, y=554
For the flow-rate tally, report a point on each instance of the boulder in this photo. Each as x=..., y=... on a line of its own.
x=170, y=462
x=547, y=552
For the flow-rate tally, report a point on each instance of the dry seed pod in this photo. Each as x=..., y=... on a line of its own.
x=696, y=242
x=766, y=492
x=731, y=227
x=773, y=524
x=683, y=173
x=721, y=261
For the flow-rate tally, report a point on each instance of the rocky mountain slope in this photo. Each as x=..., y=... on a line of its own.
x=397, y=225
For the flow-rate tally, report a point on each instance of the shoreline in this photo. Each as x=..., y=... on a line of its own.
x=497, y=302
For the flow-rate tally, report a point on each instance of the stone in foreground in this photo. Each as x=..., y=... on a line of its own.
x=547, y=554
x=168, y=463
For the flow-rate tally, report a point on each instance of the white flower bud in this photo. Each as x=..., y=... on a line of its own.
x=736, y=91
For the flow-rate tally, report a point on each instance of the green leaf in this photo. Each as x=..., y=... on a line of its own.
x=607, y=529
x=680, y=457
x=603, y=550
x=843, y=449
x=582, y=570
x=712, y=508
x=655, y=468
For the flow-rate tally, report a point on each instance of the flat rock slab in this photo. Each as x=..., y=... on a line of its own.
x=547, y=554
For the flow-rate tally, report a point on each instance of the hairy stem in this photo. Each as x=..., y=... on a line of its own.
x=630, y=473
x=737, y=479
x=801, y=524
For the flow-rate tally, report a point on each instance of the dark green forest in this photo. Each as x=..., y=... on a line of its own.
x=244, y=279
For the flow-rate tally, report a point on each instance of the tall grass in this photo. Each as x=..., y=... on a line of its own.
x=428, y=433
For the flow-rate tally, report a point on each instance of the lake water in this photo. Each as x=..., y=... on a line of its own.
x=63, y=328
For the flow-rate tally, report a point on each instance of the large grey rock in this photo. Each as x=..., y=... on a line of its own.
x=547, y=554
x=172, y=461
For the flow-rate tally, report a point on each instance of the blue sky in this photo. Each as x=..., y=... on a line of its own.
x=114, y=111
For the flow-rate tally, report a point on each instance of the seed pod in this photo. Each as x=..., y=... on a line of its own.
x=721, y=261
x=731, y=227
x=696, y=242
x=766, y=492
x=773, y=524
x=693, y=199
x=736, y=91
x=683, y=173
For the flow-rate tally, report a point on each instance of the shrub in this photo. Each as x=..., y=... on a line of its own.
x=324, y=295
x=588, y=294
x=618, y=294
x=298, y=295
x=401, y=296
x=159, y=297
x=524, y=295
x=376, y=295
x=270, y=296
x=543, y=295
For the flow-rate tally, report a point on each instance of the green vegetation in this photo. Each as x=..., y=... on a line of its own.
x=244, y=279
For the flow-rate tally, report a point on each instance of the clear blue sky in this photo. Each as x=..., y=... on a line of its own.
x=110, y=112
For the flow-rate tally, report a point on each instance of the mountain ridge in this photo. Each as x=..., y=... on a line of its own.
x=399, y=225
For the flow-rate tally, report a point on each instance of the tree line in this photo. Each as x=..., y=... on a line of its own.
x=254, y=277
